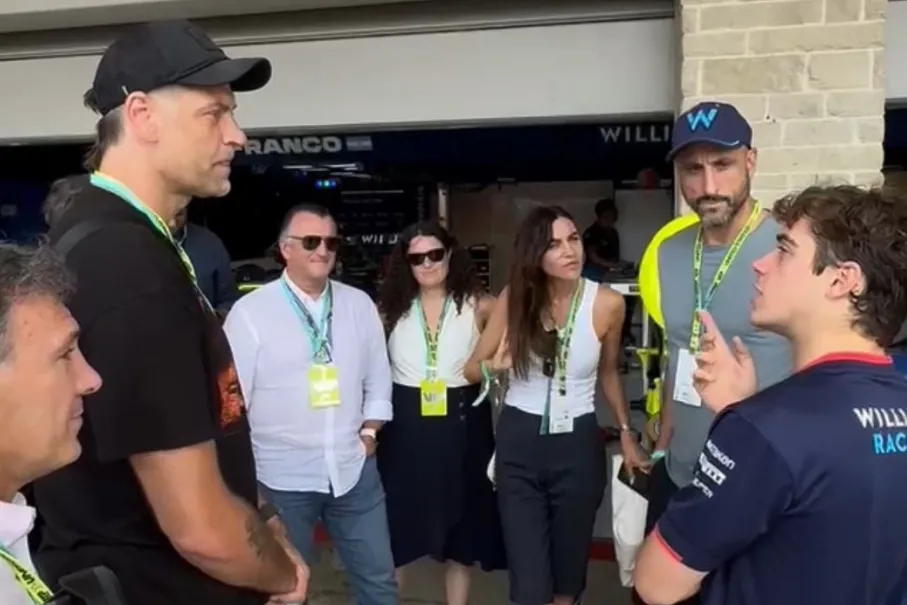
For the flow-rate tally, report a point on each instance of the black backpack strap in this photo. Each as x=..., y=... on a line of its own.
x=92, y=586
x=78, y=232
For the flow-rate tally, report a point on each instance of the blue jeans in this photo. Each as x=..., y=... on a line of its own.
x=357, y=525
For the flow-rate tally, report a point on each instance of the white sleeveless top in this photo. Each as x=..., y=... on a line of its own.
x=407, y=348
x=529, y=395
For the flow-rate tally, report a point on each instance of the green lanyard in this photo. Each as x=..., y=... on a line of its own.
x=432, y=340
x=562, y=351
x=28, y=580
x=702, y=302
x=111, y=185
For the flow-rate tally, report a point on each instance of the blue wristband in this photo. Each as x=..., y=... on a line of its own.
x=657, y=455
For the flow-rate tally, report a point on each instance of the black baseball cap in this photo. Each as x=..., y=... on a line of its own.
x=711, y=123
x=154, y=55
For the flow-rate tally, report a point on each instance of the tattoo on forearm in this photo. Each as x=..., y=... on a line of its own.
x=261, y=539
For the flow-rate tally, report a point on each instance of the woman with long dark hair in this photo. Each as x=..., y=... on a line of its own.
x=433, y=456
x=555, y=335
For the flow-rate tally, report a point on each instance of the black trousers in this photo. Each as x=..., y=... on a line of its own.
x=661, y=489
x=549, y=490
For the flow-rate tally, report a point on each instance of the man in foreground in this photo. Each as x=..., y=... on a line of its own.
x=43, y=377
x=59, y=197
x=799, y=495
x=165, y=492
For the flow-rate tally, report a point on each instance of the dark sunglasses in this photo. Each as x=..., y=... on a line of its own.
x=311, y=243
x=418, y=258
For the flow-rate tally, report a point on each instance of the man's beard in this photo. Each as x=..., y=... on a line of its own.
x=723, y=209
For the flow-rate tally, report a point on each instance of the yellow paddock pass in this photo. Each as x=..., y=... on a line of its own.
x=324, y=389
x=434, y=397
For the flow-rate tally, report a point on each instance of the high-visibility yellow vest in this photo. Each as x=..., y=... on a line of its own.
x=650, y=294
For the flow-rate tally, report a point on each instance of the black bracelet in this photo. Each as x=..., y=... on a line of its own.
x=267, y=511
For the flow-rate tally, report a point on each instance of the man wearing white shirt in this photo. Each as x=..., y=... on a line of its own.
x=43, y=377
x=312, y=361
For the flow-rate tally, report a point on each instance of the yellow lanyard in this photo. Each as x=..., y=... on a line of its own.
x=563, y=342
x=432, y=339
x=37, y=591
x=561, y=353
x=702, y=302
x=111, y=185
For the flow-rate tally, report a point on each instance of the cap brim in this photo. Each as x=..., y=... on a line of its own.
x=242, y=75
x=713, y=142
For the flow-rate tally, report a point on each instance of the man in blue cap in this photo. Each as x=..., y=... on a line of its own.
x=708, y=266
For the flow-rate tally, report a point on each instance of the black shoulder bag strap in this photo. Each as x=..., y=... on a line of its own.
x=78, y=232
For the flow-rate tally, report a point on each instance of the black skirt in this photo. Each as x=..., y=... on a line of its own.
x=440, y=502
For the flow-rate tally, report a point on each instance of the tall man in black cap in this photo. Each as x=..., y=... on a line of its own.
x=165, y=493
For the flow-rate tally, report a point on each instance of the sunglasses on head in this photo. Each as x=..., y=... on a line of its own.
x=311, y=243
x=418, y=258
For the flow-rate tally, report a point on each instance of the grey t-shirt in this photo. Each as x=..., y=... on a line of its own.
x=730, y=307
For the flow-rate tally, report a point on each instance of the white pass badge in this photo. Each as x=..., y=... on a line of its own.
x=684, y=391
x=560, y=423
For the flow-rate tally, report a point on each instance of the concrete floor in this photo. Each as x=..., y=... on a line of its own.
x=425, y=585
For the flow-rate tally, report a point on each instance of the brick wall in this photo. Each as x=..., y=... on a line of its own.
x=808, y=74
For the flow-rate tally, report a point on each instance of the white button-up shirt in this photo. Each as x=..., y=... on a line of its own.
x=16, y=520
x=298, y=447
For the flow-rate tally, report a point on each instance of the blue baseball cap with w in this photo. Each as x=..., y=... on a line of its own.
x=710, y=123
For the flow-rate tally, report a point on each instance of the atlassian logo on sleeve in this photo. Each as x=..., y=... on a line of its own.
x=703, y=118
x=889, y=426
x=714, y=466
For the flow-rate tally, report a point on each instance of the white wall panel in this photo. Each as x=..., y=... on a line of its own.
x=36, y=15
x=571, y=71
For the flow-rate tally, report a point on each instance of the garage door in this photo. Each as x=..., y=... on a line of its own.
x=388, y=68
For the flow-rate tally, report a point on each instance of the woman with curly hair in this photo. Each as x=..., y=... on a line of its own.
x=434, y=454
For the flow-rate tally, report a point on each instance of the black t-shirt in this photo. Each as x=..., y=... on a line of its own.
x=603, y=241
x=800, y=492
x=169, y=382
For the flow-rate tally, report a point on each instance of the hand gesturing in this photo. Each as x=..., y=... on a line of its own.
x=725, y=374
